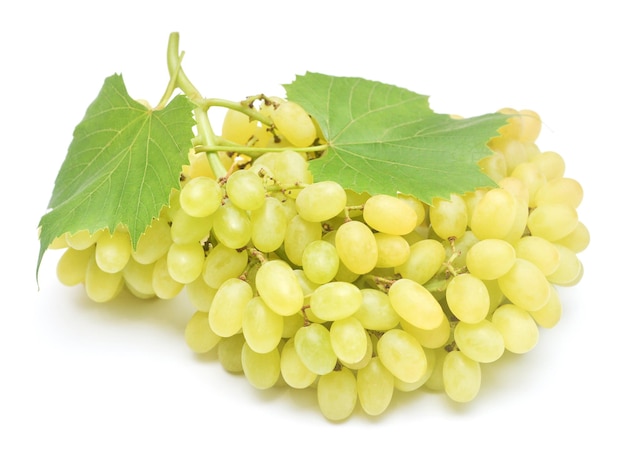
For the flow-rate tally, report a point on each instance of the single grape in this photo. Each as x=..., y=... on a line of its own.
x=402, y=355
x=245, y=189
x=337, y=394
x=200, y=196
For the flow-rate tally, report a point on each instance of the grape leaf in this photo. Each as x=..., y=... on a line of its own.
x=386, y=139
x=122, y=163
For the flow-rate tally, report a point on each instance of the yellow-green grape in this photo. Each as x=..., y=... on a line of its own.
x=429, y=338
x=321, y=201
x=295, y=124
x=231, y=226
x=494, y=166
x=262, y=327
x=165, y=287
x=189, y=229
x=552, y=221
x=402, y=355
x=549, y=314
x=337, y=394
x=375, y=387
x=291, y=324
x=356, y=246
x=298, y=235
x=294, y=371
x=391, y=215
x=312, y=343
x=468, y=298
x=261, y=369
x=102, y=286
x=525, y=285
x=269, y=225
x=229, y=353
x=562, y=190
x=153, y=243
x=461, y=377
x=481, y=341
x=198, y=334
x=539, y=251
x=435, y=381
x=490, y=258
x=425, y=259
x=82, y=239
x=369, y=352
x=185, y=261
x=238, y=127
x=200, y=294
x=448, y=218
x=494, y=214
x=72, y=265
x=226, y=312
x=138, y=278
x=288, y=168
x=550, y=163
x=530, y=125
x=348, y=339
x=415, y=304
x=223, y=263
x=415, y=204
x=412, y=386
x=320, y=261
x=245, y=190
x=516, y=187
x=200, y=196
x=518, y=328
x=393, y=250
x=533, y=180
x=113, y=251
x=577, y=240
x=376, y=312
x=335, y=300
x=569, y=270
x=278, y=285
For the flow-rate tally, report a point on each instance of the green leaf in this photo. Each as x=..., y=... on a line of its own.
x=121, y=166
x=386, y=139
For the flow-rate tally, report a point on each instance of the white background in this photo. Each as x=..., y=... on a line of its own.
x=88, y=383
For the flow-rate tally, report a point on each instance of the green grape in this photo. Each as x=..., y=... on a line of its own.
x=393, y=250
x=552, y=221
x=226, y=312
x=518, y=328
x=72, y=265
x=550, y=163
x=237, y=127
x=288, y=168
x=279, y=288
x=461, y=377
x=312, y=343
x=402, y=355
x=390, y=215
x=549, y=314
x=102, y=286
x=262, y=327
x=185, y=261
x=435, y=380
x=415, y=304
x=335, y=300
x=261, y=369
x=200, y=294
x=490, y=258
x=337, y=394
x=165, y=287
x=468, y=298
x=577, y=240
x=269, y=225
x=245, y=190
x=369, y=352
x=538, y=251
x=494, y=215
x=201, y=196
x=356, y=246
x=376, y=312
x=320, y=261
x=429, y=338
x=229, y=352
x=569, y=270
x=294, y=123
x=533, y=179
x=189, y=229
x=412, y=386
x=525, y=285
x=291, y=324
x=481, y=341
x=138, y=278
x=82, y=239
x=348, y=339
x=113, y=251
x=425, y=259
x=375, y=387
x=416, y=205
x=494, y=166
x=223, y=263
x=321, y=201
x=294, y=371
x=198, y=334
x=231, y=226
x=153, y=243
x=448, y=218
x=298, y=235
x=562, y=190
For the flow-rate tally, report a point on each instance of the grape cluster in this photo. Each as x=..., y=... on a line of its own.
x=310, y=285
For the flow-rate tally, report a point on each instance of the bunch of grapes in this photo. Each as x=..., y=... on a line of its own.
x=306, y=284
